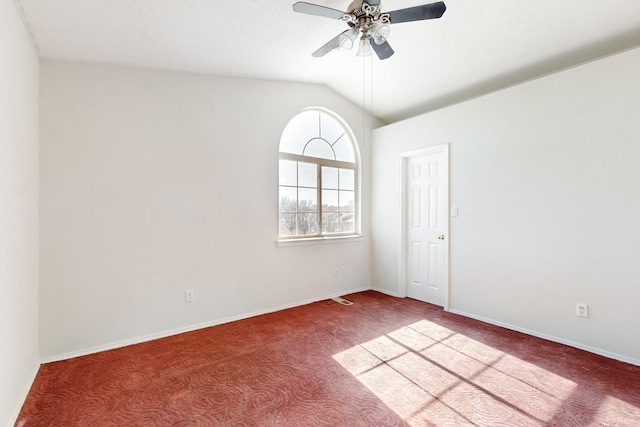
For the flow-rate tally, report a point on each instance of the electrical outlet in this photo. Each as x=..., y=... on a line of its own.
x=188, y=295
x=335, y=272
x=582, y=310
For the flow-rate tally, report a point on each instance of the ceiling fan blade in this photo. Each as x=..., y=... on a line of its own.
x=317, y=10
x=418, y=13
x=383, y=50
x=334, y=43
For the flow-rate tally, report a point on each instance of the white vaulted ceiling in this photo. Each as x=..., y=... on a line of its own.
x=477, y=46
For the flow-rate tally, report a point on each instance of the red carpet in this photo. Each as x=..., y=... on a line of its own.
x=382, y=361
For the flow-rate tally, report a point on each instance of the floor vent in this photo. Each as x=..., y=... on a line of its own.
x=342, y=301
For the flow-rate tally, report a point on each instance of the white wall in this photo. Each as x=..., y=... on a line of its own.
x=18, y=213
x=546, y=178
x=156, y=182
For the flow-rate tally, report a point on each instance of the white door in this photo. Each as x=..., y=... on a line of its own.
x=426, y=227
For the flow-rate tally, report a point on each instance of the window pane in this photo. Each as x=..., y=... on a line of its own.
x=307, y=200
x=347, y=201
x=288, y=223
x=344, y=149
x=299, y=131
x=288, y=210
x=307, y=175
x=329, y=201
x=319, y=148
x=347, y=179
x=288, y=174
x=288, y=199
x=307, y=223
x=331, y=222
x=347, y=222
x=330, y=128
x=329, y=177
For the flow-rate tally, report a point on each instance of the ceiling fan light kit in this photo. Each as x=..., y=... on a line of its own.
x=364, y=48
x=348, y=38
x=367, y=22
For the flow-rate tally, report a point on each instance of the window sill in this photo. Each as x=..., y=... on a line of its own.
x=318, y=240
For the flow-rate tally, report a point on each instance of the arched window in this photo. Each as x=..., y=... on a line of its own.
x=318, y=194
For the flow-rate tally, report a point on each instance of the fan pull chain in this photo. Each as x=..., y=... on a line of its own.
x=364, y=101
x=371, y=89
x=364, y=94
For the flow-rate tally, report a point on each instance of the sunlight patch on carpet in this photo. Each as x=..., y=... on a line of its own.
x=427, y=373
x=612, y=412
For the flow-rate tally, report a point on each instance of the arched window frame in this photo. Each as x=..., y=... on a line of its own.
x=324, y=166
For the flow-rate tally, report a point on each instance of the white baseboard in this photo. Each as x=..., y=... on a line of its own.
x=387, y=292
x=23, y=396
x=340, y=294
x=176, y=331
x=590, y=349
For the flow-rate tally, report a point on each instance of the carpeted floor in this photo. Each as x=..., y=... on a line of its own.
x=382, y=361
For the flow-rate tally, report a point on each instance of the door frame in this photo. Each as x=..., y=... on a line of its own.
x=403, y=159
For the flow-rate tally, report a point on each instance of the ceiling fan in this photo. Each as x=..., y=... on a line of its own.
x=367, y=21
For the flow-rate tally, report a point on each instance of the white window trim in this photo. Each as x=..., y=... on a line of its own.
x=314, y=240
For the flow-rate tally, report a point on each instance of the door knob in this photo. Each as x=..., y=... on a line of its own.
x=441, y=237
